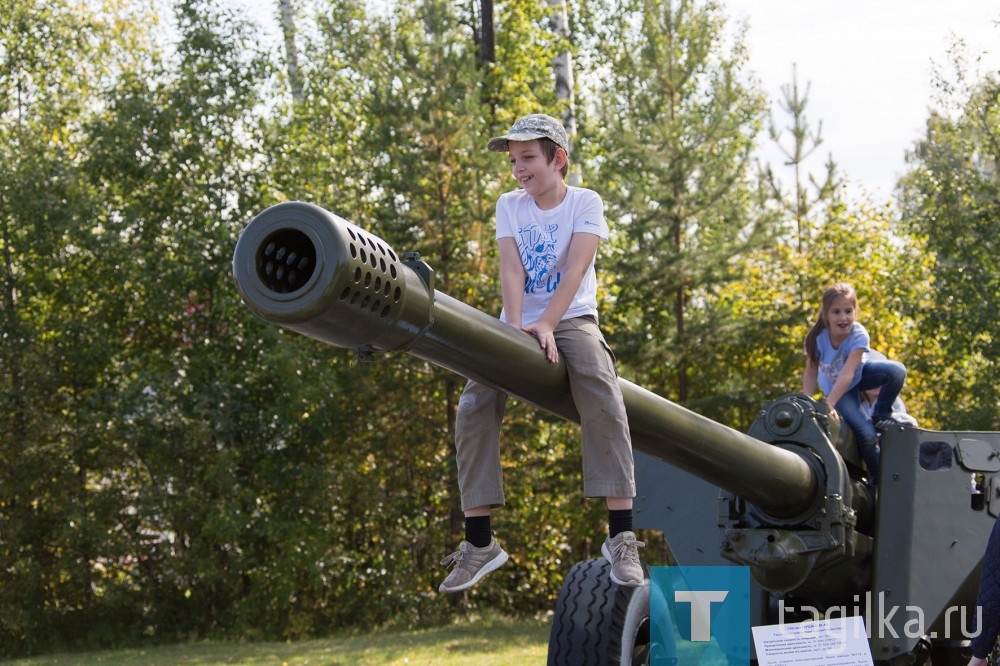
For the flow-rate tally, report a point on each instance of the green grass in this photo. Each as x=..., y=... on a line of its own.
x=493, y=642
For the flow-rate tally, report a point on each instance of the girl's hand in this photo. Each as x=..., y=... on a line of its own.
x=976, y=661
x=546, y=340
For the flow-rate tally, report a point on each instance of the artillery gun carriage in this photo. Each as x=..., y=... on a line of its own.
x=788, y=499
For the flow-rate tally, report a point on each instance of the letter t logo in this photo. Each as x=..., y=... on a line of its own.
x=701, y=605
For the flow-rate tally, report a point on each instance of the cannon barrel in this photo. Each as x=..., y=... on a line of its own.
x=305, y=269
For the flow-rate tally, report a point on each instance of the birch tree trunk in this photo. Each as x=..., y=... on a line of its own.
x=563, y=70
x=291, y=50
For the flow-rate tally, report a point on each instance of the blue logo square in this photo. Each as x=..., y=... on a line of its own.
x=699, y=616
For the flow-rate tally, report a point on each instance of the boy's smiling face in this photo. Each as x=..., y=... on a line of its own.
x=532, y=170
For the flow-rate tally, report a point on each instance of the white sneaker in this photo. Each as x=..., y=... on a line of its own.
x=471, y=564
x=623, y=553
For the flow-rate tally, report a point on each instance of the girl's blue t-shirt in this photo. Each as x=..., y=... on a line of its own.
x=831, y=359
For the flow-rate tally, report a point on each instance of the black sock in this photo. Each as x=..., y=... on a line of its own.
x=478, y=531
x=619, y=520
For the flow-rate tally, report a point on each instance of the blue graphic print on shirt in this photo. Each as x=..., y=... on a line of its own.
x=539, y=257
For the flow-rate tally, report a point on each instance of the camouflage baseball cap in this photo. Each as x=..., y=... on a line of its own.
x=527, y=128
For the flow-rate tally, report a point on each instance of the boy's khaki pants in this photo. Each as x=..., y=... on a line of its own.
x=608, y=469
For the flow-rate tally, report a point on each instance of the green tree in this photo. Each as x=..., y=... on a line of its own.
x=57, y=332
x=776, y=289
x=679, y=117
x=805, y=203
x=200, y=403
x=949, y=197
x=800, y=203
x=318, y=143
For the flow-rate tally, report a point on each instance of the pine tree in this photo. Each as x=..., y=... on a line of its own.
x=679, y=121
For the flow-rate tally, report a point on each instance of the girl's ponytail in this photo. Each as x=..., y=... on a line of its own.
x=812, y=335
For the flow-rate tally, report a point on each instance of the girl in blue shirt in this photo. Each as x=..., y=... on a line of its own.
x=838, y=362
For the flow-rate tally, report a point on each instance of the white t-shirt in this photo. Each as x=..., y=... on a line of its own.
x=543, y=238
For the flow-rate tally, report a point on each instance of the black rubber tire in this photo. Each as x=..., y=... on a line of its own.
x=598, y=623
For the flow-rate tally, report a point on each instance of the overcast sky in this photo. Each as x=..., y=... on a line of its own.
x=869, y=64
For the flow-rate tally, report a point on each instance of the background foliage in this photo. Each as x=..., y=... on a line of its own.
x=173, y=468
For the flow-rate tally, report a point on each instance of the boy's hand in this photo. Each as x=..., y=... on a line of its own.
x=546, y=340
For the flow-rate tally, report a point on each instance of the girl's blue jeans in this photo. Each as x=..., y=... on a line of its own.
x=890, y=375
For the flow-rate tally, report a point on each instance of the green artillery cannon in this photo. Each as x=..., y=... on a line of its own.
x=787, y=499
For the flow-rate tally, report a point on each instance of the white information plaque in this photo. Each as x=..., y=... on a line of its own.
x=840, y=641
